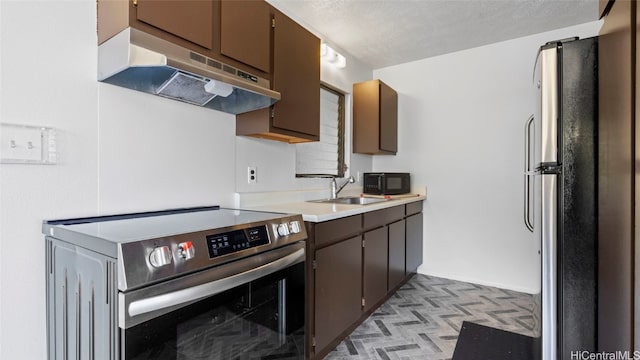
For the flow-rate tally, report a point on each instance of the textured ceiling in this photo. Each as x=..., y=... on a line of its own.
x=381, y=33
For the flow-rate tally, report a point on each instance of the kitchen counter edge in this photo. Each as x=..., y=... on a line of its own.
x=320, y=212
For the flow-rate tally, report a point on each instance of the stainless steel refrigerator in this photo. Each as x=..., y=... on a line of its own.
x=561, y=170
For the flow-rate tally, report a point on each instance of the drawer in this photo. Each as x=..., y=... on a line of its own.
x=414, y=208
x=382, y=217
x=331, y=231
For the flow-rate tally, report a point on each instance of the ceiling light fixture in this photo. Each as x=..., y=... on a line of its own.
x=330, y=56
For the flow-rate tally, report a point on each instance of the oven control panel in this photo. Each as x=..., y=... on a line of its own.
x=237, y=240
x=247, y=234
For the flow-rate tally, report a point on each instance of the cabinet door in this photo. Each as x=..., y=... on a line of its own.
x=616, y=174
x=296, y=75
x=396, y=254
x=375, y=118
x=388, y=119
x=191, y=20
x=338, y=282
x=414, y=243
x=366, y=104
x=375, y=266
x=245, y=32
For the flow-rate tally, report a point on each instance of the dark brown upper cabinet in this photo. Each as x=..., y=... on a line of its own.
x=187, y=19
x=375, y=118
x=296, y=76
x=249, y=35
x=234, y=32
x=245, y=32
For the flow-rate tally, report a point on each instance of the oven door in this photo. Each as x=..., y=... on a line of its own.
x=251, y=308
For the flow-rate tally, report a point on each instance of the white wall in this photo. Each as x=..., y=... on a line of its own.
x=48, y=78
x=461, y=132
x=276, y=161
x=118, y=151
x=156, y=153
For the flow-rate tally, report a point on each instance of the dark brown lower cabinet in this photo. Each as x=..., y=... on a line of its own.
x=413, y=243
x=375, y=267
x=397, y=256
x=337, y=289
x=356, y=263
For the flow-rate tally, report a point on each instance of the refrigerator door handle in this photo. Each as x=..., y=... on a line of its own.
x=528, y=191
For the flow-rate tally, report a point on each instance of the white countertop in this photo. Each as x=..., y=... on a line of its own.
x=319, y=212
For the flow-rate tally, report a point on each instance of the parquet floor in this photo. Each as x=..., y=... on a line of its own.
x=421, y=321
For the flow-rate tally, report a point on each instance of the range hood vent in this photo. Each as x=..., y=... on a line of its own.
x=143, y=62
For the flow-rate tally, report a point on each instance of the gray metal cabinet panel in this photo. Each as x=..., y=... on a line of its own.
x=82, y=322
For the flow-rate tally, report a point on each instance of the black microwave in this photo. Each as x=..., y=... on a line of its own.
x=385, y=183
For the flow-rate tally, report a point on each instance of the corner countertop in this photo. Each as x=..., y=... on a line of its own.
x=319, y=212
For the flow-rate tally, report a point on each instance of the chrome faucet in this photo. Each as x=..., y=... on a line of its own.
x=335, y=189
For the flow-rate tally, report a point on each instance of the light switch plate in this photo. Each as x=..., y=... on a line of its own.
x=24, y=144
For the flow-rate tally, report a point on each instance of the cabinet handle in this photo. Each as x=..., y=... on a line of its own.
x=528, y=222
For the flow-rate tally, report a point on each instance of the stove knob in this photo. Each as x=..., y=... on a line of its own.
x=294, y=226
x=186, y=250
x=283, y=230
x=160, y=256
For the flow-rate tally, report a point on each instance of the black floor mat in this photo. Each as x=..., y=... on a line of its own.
x=478, y=342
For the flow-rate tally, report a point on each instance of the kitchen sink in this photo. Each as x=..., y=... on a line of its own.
x=352, y=200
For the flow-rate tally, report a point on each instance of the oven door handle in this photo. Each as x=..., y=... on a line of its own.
x=194, y=293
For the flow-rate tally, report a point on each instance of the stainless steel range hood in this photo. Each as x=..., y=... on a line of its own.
x=143, y=62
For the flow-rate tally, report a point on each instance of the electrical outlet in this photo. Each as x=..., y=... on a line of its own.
x=252, y=174
x=358, y=176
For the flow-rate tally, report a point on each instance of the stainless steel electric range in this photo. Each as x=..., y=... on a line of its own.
x=198, y=283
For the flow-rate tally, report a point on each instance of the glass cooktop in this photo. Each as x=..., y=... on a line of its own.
x=121, y=229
